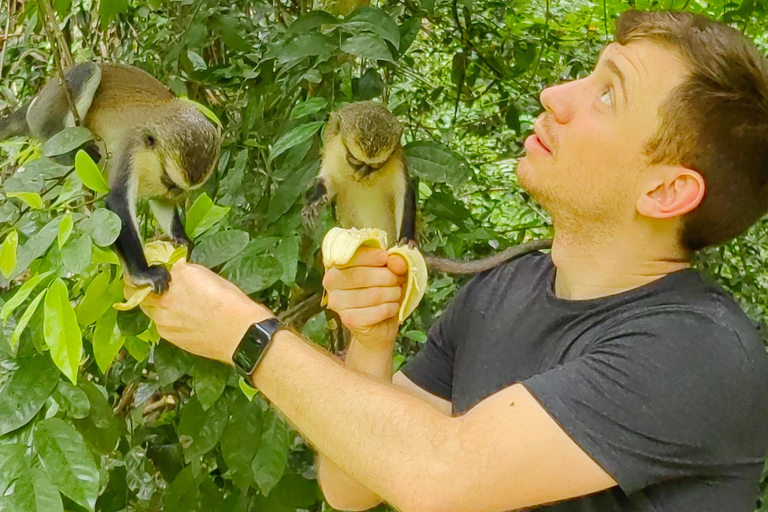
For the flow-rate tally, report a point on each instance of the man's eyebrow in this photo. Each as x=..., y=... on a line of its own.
x=616, y=70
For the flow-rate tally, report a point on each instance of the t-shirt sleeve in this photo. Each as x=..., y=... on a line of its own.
x=665, y=395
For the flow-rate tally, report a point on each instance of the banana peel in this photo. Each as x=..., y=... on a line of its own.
x=158, y=252
x=339, y=245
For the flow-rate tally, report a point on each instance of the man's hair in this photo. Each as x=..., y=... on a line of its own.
x=715, y=122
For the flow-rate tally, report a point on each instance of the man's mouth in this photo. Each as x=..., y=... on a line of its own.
x=537, y=141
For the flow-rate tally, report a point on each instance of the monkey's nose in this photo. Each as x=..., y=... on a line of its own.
x=365, y=169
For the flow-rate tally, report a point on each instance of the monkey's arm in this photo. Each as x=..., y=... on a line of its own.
x=408, y=226
x=167, y=215
x=122, y=201
x=315, y=198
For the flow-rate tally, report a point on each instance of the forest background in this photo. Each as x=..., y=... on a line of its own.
x=96, y=413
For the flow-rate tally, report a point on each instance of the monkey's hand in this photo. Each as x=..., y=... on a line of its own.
x=311, y=212
x=156, y=276
x=409, y=242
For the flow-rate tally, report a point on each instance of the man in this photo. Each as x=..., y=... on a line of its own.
x=608, y=376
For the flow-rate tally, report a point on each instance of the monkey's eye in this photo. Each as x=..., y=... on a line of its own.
x=167, y=181
x=149, y=140
x=354, y=162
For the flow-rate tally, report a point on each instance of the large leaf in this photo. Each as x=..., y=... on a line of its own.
x=241, y=440
x=99, y=297
x=290, y=190
x=13, y=462
x=101, y=429
x=200, y=430
x=203, y=215
x=183, y=493
x=32, y=492
x=171, y=363
x=67, y=139
x=210, y=379
x=111, y=9
x=90, y=173
x=8, y=253
x=22, y=294
x=65, y=229
x=253, y=274
x=76, y=254
x=226, y=27
x=107, y=340
x=304, y=45
x=22, y=323
x=368, y=46
x=67, y=461
x=103, y=226
x=24, y=394
x=436, y=163
x=31, y=199
x=272, y=456
x=62, y=333
x=36, y=246
x=213, y=250
x=311, y=106
x=73, y=400
x=297, y=135
x=373, y=19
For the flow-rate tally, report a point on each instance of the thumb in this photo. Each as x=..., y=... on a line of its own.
x=396, y=264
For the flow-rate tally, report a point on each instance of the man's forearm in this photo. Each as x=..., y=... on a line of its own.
x=341, y=490
x=385, y=427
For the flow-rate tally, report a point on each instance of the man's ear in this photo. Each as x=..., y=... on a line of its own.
x=676, y=192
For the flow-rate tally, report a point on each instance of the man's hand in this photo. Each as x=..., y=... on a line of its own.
x=366, y=294
x=202, y=312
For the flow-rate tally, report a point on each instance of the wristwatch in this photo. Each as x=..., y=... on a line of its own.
x=254, y=345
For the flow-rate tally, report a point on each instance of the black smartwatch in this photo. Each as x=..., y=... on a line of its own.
x=253, y=346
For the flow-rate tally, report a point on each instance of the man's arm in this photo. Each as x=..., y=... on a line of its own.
x=505, y=453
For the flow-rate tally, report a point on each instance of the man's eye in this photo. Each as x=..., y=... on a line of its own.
x=607, y=97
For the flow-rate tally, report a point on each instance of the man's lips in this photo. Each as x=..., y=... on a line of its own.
x=534, y=143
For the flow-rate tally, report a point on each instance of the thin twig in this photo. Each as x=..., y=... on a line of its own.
x=7, y=33
x=61, y=55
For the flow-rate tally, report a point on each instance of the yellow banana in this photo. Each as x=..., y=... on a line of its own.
x=339, y=245
x=157, y=253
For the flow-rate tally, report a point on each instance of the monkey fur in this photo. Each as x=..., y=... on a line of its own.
x=363, y=171
x=158, y=147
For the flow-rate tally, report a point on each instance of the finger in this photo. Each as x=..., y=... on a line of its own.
x=367, y=257
x=358, y=277
x=367, y=317
x=353, y=299
x=397, y=264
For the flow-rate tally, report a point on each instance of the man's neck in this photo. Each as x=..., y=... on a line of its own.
x=590, y=269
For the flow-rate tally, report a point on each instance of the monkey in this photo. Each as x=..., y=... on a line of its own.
x=363, y=171
x=158, y=147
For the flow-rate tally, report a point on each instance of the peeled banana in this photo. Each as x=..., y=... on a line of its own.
x=157, y=253
x=339, y=245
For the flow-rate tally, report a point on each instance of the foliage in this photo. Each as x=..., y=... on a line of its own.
x=96, y=413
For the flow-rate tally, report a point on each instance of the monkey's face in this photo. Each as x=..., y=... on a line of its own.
x=363, y=162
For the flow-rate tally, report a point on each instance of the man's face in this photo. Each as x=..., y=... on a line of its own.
x=586, y=161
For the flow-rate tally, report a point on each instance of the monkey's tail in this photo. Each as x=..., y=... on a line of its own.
x=15, y=124
x=476, y=266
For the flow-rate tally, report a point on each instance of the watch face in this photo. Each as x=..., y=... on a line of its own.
x=253, y=344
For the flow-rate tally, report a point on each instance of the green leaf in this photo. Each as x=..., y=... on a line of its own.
x=107, y=340
x=272, y=455
x=8, y=253
x=213, y=250
x=137, y=348
x=202, y=108
x=36, y=246
x=73, y=400
x=198, y=63
x=436, y=163
x=72, y=189
x=200, y=430
x=32, y=199
x=99, y=297
x=241, y=440
x=209, y=380
x=368, y=46
x=110, y=10
x=101, y=429
x=90, y=173
x=306, y=22
x=373, y=19
x=21, y=325
x=287, y=253
x=25, y=393
x=13, y=462
x=76, y=255
x=183, y=493
x=305, y=45
x=290, y=190
x=133, y=322
x=253, y=274
x=298, y=135
x=67, y=139
x=226, y=27
x=203, y=215
x=171, y=363
x=32, y=492
x=21, y=295
x=67, y=461
x=309, y=107
x=65, y=229
x=409, y=31
x=62, y=334
x=103, y=226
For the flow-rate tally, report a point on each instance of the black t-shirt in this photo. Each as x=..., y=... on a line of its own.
x=664, y=386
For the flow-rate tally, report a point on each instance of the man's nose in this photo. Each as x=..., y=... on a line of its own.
x=558, y=100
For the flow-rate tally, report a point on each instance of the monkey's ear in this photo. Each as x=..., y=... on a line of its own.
x=332, y=127
x=148, y=138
